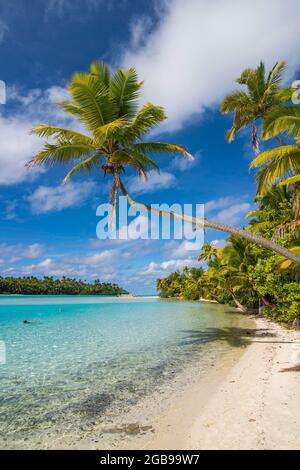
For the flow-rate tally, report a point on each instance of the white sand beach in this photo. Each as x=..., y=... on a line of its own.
x=251, y=405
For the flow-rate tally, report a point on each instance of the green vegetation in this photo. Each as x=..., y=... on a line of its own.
x=51, y=286
x=242, y=273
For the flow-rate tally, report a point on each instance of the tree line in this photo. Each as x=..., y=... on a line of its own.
x=50, y=286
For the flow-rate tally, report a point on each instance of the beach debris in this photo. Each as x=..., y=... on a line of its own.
x=291, y=369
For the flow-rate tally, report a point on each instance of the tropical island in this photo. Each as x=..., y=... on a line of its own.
x=257, y=270
x=50, y=286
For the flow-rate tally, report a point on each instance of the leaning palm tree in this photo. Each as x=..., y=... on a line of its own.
x=263, y=91
x=106, y=105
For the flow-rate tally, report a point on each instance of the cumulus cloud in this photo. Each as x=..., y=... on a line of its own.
x=162, y=269
x=18, y=146
x=228, y=210
x=198, y=48
x=232, y=215
x=104, y=265
x=155, y=181
x=186, y=249
x=48, y=199
x=14, y=253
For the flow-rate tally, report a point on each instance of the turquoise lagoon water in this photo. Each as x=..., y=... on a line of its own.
x=82, y=362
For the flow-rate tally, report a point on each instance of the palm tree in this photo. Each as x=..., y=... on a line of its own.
x=105, y=103
x=274, y=216
x=281, y=165
x=209, y=252
x=262, y=92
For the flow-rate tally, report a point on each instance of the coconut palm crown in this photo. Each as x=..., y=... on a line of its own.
x=262, y=92
x=106, y=105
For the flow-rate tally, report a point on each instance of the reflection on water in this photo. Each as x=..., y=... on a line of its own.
x=85, y=362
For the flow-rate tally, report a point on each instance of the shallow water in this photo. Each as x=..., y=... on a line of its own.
x=82, y=362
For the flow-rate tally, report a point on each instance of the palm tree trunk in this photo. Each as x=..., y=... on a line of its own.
x=251, y=237
x=237, y=303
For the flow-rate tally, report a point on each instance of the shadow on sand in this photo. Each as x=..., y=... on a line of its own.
x=235, y=337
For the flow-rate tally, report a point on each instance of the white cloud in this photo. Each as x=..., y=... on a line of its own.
x=228, y=210
x=183, y=164
x=13, y=253
x=47, y=199
x=216, y=204
x=104, y=265
x=186, y=249
x=162, y=269
x=155, y=182
x=233, y=214
x=18, y=146
x=198, y=48
x=102, y=257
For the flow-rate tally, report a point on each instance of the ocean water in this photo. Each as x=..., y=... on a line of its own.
x=84, y=363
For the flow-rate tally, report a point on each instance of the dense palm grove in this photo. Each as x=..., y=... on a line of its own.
x=242, y=273
x=51, y=286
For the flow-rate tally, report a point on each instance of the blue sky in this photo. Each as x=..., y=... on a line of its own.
x=189, y=54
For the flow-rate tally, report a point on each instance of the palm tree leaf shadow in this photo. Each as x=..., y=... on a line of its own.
x=235, y=337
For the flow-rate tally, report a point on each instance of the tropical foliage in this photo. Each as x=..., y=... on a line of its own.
x=265, y=102
x=261, y=93
x=246, y=275
x=242, y=273
x=50, y=286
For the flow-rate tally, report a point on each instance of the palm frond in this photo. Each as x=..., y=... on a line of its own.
x=91, y=95
x=107, y=131
x=282, y=119
x=276, y=169
x=61, y=153
x=162, y=147
x=85, y=166
x=146, y=119
x=282, y=152
x=124, y=91
x=291, y=180
x=102, y=71
x=44, y=130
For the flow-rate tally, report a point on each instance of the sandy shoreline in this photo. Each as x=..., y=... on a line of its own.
x=251, y=405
